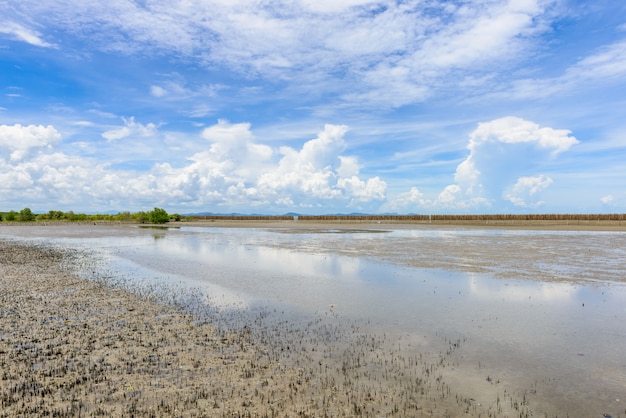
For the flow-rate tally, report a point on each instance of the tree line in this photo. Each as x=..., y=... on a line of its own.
x=156, y=216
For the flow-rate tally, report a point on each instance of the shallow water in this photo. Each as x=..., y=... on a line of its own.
x=560, y=341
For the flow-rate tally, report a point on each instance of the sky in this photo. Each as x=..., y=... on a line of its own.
x=313, y=106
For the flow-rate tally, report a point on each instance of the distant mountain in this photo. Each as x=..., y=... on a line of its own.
x=225, y=214
x=286, y=214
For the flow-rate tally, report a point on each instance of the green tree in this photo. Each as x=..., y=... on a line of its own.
x=159, y=216
x=11, y=216
x=142, y=217
x=123, y=216
x=55, y=215
x=26, y=215
x=80, y=217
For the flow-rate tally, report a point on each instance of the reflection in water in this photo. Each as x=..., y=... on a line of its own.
x=557, y=335
x=566, y=337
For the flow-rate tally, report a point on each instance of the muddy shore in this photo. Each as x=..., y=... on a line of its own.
x=581, y=255
x=73, y=343
x=549, y=225
x=73, y=347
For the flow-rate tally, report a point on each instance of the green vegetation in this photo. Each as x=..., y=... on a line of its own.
x=157, y=216
x=26, y=215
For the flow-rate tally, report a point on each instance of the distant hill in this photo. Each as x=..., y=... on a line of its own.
x=222, y=214
x=286, y=214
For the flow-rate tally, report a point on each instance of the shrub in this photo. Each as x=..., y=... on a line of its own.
x=159, y=216
x=26, y=215
x=142, y=217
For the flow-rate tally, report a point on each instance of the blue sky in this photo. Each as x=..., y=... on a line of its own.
x=313, y=106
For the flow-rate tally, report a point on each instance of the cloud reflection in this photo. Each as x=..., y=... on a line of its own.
x=518, y=291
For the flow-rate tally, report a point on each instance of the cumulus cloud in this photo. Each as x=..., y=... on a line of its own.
x=237, y=169
x=361, y=191
x=310, y=171
x=227, y=133
x=18, y=141
x=233, y=146
x=513, y=130
x=503, y=152
x=233, y=171
x=405, y=202
x=13, y=178
x=454, y=198
x=504, y=157
x=319, y=171
x=130, y=128
x=449, y=195
x=526, y=190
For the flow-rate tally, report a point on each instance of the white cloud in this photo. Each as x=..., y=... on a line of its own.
x=480, y=34
x=227, y=133
x=605, y=67
x=82, y=123
x=607, y=199
x=513, y=130
x=608, y=62
x=176, y=87
x=158, y=91
x=311, y=170
x=367, y=53
x=317, y=171
x=233, y=171
x=524, y=192
x=373, y=189
x=232, y=146
x=131, y=128
x=348, y=167
x=614, y=202
x=200, y=110
x=405, y=202
x=19, y=141
x=13, y=178
x=332, y=6
x=23, y=33
x=503, y=152
x=449, y=195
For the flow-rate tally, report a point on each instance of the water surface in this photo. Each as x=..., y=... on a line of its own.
x=544, y=315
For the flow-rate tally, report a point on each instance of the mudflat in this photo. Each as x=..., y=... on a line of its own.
x=74, y=347
x=544, y=225
x=580, y=254
x=71, y=346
